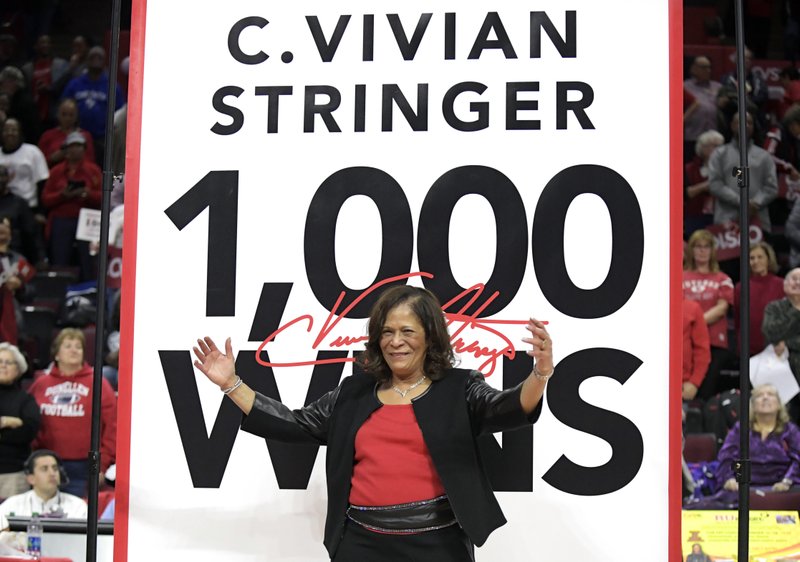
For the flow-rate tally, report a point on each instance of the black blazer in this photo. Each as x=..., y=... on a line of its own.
x=451, y=414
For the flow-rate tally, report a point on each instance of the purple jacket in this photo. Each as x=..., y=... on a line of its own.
x=773, y=459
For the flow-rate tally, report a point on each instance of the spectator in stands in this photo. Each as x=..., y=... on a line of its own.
x=724, y=187
x=774, y=445
x=781, y=325
x=19, y=421
x=74, y=184
x=789, y=78
x=25, y=236
x=696, y=348
x=713, y=290
x=15, y=272
x=26, y=163
x=21, y=106
x=783, y=144
x=78, y=58
x=44, y=474
x=46, y=76
x=52, y=141
x=64, y=395
x=90, y=91
x=765, y=287
x=792, y=233
x=698, y=210
x=756, y=92
x=704, y=116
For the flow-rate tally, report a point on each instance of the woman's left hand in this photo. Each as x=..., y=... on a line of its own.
x=542, y=346
x=10, y=422
x=781, y=486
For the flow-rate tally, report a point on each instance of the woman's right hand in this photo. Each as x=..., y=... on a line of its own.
x=219, y=367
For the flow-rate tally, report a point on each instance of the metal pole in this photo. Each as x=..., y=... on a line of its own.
x=742, y=464
x=97, y=387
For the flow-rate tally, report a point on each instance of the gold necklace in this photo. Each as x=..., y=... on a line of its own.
x=410, y=388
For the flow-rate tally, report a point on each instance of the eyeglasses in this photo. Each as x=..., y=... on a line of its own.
x=8, y=362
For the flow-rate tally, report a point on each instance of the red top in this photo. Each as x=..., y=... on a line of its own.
x=65, y=403
x=392, y=464
x=707, y=289
x=53, y=198
x=763, y=290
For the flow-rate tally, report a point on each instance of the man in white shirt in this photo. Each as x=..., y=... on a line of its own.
x=44, y=473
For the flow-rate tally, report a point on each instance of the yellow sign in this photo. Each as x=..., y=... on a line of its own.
x=774, y=536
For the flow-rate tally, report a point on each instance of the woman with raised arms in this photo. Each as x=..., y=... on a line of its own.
x=404, y=474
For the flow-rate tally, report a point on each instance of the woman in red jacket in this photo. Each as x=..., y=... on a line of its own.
x=64, y=395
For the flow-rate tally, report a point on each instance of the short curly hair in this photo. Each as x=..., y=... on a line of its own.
x=439, y=356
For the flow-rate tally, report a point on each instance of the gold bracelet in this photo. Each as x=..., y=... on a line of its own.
x=540, y=376
x=235, y=385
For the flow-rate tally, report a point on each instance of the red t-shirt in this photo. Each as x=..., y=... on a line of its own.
x=707, y=289
x=392, y=464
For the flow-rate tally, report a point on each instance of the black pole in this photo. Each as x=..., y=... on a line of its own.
x=102, y=267
x=742, y=464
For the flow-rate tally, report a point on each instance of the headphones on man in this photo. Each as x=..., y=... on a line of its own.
x=31, y=461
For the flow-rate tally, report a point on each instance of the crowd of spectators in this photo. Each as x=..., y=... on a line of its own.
x=712, y=327
x=53, y=110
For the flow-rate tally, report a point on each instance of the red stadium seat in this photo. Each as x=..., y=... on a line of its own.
x=700, y=447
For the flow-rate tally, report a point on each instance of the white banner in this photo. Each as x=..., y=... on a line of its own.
x=286, y=159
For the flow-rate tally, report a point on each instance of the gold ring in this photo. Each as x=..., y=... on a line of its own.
x=544, y=344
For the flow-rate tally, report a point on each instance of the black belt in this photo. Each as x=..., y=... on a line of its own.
x=413, y=517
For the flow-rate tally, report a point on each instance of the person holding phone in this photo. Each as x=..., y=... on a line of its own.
x=74, y=184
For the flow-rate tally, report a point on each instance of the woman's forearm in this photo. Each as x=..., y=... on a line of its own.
x=716, y=312
x=244, y=397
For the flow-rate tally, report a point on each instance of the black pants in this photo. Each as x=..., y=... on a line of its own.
x=444, y=545
x=710, y=385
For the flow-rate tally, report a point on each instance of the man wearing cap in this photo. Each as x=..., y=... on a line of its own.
x=74, y=184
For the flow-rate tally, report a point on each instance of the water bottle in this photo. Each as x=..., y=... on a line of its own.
x=34, y=537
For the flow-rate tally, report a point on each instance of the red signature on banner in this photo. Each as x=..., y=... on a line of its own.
x=461, y=323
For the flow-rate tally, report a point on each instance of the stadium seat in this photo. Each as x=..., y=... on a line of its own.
x=39, y=328
x=700, y=447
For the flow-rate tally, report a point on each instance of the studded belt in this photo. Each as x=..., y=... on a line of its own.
x=404, y=518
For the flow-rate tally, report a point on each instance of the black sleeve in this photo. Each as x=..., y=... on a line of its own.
x=30, y=423
x=273, y=420
x=493, y=410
